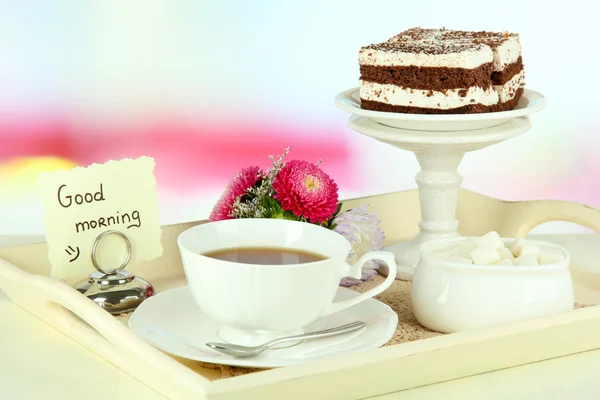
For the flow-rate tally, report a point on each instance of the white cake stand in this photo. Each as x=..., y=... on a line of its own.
x=439, y=153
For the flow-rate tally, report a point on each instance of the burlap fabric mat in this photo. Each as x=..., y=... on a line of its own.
x=397, y=297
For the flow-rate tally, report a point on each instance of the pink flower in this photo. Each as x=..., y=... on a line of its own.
x=240, y=183
x=305, y=190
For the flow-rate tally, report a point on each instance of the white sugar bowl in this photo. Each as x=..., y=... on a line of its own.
x=453, y=294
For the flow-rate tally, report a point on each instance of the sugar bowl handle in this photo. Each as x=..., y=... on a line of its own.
x=355, y=271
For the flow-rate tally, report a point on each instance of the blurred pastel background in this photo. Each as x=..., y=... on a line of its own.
x=207, y=87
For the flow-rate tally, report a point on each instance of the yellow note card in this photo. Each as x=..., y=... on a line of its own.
x=82, y=203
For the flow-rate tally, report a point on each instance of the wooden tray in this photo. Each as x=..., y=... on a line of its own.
x=24, y=278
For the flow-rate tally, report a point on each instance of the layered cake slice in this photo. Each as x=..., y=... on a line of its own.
x=440, y=71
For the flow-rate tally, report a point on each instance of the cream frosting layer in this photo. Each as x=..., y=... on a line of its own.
x=473, y=56
x=507, y=53
x=467, y=59
x=399, y=96
x=454, y=98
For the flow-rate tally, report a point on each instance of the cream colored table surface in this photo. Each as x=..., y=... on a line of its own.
x=38, y=362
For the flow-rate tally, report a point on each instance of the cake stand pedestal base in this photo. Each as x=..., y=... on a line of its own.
x=438, y=184
x=439, y=153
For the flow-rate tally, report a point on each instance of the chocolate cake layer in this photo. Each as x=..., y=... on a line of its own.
x=428, y=78
x=469, y=109
x=501, y=77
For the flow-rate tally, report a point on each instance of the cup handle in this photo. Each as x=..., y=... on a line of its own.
x=355, y=271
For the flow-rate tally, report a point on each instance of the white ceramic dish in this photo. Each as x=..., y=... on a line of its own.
x=174, y=314
x=531, y=102
x=453, y=297
x=256, y=303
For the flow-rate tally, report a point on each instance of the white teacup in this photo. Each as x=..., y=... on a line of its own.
x=256, y=303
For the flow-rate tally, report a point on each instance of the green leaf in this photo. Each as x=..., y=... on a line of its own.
x=329, y=223
x=290, y=215
x=337, y=211
x=272, y=206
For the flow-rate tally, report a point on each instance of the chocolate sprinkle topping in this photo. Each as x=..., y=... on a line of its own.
x=440, y=41
x=425, y=47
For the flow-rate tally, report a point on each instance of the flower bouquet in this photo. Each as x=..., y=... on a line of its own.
x=301, y=191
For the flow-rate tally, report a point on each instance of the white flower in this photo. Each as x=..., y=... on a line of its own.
x=364, y=234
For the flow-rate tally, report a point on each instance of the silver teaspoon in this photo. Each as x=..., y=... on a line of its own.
x=249, y=351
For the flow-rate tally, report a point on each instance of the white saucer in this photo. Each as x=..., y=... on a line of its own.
x=171, y=315
x=530, y=102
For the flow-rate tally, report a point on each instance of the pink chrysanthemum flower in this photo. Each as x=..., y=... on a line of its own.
x=305, y=190
x=240, y=183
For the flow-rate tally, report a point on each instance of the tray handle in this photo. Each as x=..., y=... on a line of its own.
x=520, y=218
x=67, y=310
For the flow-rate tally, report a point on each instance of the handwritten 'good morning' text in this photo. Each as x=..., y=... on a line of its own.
x=66, y=199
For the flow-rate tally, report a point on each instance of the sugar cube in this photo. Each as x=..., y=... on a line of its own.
x=551, y=256
x=492, y=235
x=442, y=255
x=526, y=260
x=468, y=245
x=506, y=254
x=516, y=247
x=531, y=249
x=485, y=255
x=490, y=249
x=490, y=239
x=461, y=260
